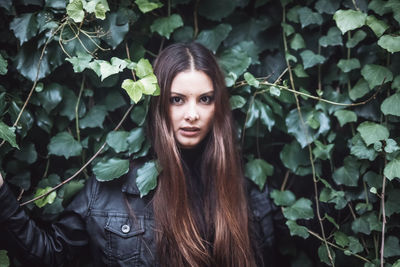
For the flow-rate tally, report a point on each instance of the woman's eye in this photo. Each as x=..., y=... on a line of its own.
x=206, y=99
x=175, y=100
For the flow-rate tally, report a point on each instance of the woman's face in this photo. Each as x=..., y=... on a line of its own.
x=192, y=107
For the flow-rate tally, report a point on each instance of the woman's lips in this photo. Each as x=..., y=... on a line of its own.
x=189, y=131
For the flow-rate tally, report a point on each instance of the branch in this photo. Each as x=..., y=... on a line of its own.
x=383, y=217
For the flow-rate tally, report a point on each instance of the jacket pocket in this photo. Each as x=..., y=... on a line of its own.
x=124, y=236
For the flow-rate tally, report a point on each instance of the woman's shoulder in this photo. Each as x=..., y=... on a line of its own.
x=260, y=202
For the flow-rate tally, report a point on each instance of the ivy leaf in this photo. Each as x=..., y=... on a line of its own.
x=116, y=31
x=283, y=198
x=347, y=20
x=235, y=60
x=333, y=38
x=391, y=105
x=262, y=111
x=360, y=89
x=327, y=6
x=213, y=38
x=297, y=42
x=107, y=69
x=24, y=27
x=375, y=74
x=377, y=26
x=310, y=59
x=392, y=169
x=392, y=247
x=135, y=139
x=80, y=62
x=165, y=26
x=347, y=65
x=143, y=68
x=98, y=7
x=8, y=134
x=63, y=144
x=110, y=169
x=349, y=173
x=237, y=101
x=258, y=170
x=251, y=80
x=301, y=209
x=4, y=260
x=75, y=10
x=390, y=43
x=372, y=132
x=50, y=97
x=345, y=116
x=146, y=179
x=94, y=118
x=308, y=17
x=47, y=199
x=360, y=149
x=118, y=140
x=323, y=254
x=356, y=39
x=3, y=65
x=147, y=6
x=341, y=239
x=391, y=146
x=216, y=10
x=392, y=204
x=296, y=229
x=379, y=7
x=322, y=151
x=27, y=153
x=134, y=89
x=295, y=158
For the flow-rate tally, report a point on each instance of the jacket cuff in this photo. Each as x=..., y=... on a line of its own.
x=8, y=203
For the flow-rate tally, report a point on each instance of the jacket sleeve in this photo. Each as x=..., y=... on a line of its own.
x=54, y=246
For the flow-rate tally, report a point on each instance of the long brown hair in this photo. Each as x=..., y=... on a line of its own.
x=179, y=242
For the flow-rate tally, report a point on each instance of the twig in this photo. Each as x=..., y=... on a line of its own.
x=195, y=19
x=383, y=217
x=84, y=166
x=78, y=135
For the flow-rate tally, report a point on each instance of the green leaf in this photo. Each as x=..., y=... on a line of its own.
x=360, y=89
x=143, y=68
x=356, y=39
x=297, y=42
x=327, y=6
x=50, y=97
x=349, y=173
x=345, y=116
x=3, y=65
x=4, y=261
x=216, y=10
x=262, y=111
x=378, y=6
x=134, y=89
x=80, y=62
x=235, y=60
x=118, y=140
x=98, y=7
x=8, y=134
x=333, y=38
x=94, y=118
x=347, y=20
x=295, y=158
x=110, y=169
x=373, y=179
x=116, y=31
x=165, y=26
x=308, y=17
x=146, y=179
x=24, y=27
x=391, y=105
x=237, y=101
x=251, y=80
x=372, y=132
x=106, y=69
x=322, y=151
x=331, y=220
x=354, y=245
x=47, y=199
x=135, y=140
x=301, y=209
x=390, y=43
x=347, y=65
x=213, y=38
x=396, y=83
x=71, y=189
x=283, y=198
x=376, y=75
x=296, y=229
x=391, y=146
x=287, y=28
x=392, y=169
x=310, y=59
x=392, y=246
x=323, y=254
x=377, y=26
x=27, y=153
x=341, y=239
x=392, y=204
x=63, y=144
x=258, y=170
x=68, y=104
x=75, y=10
x=299, y=71
x=147, y=6
x=360, y=149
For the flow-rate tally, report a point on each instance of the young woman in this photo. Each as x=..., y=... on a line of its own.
x=202, y=213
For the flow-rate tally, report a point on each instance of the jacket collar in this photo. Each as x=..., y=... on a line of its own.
x=129, y=186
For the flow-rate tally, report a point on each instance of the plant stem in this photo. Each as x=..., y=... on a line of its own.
x=383, y=217
x=78, y=135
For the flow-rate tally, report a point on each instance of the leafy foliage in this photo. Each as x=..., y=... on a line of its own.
x=314, y=82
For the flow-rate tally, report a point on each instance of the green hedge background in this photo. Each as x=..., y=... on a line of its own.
x=315, y=90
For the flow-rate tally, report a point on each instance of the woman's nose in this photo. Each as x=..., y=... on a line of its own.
x=191, y=113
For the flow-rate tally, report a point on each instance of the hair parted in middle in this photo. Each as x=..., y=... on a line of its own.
x=179, y=242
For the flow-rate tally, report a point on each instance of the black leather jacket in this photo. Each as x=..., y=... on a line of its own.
x=98, y=223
